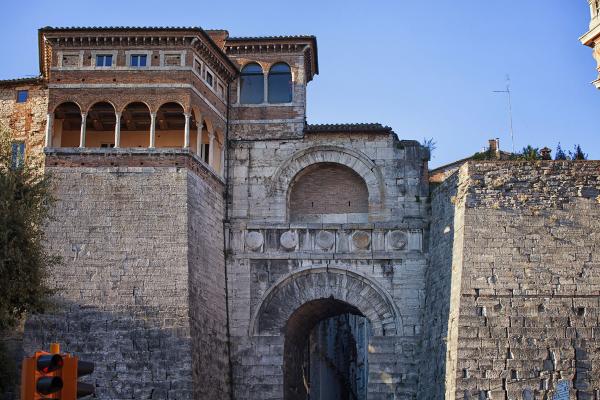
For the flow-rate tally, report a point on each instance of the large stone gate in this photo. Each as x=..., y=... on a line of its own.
x=216, y=246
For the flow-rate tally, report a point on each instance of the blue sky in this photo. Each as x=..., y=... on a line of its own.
x=427, y=69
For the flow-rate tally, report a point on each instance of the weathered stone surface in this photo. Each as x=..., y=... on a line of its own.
x=513, y=284
x=141, y=290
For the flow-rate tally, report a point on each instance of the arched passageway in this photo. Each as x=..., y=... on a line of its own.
x=327, y=318
x=326, y=352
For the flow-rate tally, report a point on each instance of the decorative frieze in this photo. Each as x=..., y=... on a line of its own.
x=282, y=241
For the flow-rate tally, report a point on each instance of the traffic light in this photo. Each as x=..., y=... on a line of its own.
x=54, y=376
x=75, y=369
x=41, y=375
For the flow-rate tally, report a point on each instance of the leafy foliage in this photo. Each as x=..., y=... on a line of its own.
x=25, y=201
x=429, y=144
x=484, y=155
x=530, y=153
x=8, y=370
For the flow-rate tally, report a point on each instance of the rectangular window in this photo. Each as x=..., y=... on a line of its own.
x=18, y=154
x=104, y=60
x=172, y=60
x=22, y=96
x=107, y=145
x=70, y=60
x=206, y=151
x=138, y=60
x=221, y=90
x=209, y=78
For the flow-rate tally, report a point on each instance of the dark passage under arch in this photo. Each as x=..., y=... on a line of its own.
x=325, y=352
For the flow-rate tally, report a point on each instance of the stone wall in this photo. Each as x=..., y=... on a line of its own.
x=138, y=291
x=445, y=230
x=208, y=313
x=528, y=312
x=25, y=121
x=375, y=264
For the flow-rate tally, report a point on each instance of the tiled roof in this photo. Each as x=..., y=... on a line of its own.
x=33, y=79
x=119, y=28
x=244, y=38
x=362, y=127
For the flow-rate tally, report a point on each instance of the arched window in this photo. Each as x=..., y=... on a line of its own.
x=252, y=84
x=280, y=83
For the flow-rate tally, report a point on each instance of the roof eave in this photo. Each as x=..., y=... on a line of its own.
x=234, y=69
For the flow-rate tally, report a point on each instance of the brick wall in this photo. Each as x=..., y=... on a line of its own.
x=328, y=189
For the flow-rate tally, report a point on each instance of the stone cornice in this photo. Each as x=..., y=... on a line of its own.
x=588, y=37
x=306, y=45
x=138, y=37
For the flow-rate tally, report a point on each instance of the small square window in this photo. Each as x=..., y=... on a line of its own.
x=70, y=60
x=173, y=60
x=104, y=60
x=18, y=154
x=209, y=78
x=138, y=60
x=22, y=96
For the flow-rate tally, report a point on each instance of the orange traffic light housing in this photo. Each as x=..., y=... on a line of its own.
x=54, y=376
x=73, y=370
x=41, y=376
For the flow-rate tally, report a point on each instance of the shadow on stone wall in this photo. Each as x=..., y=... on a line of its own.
x=138, y=353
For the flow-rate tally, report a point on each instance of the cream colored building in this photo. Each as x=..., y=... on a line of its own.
x=592, y=36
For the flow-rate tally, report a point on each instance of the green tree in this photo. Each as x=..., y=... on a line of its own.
x=530, y=153
x=577, y=153
x=560, y=154
x=25, y=201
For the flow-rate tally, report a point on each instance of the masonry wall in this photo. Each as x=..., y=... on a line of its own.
x=436, y=329
x=384, y=247
x=25, y=121
x=530, y=272
x=136, y=291
x=208, y=313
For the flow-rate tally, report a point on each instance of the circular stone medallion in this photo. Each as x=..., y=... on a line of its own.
x=324, y=239
x=289, y=240
x=254, y=240
x=361, y=239
x=397, y=240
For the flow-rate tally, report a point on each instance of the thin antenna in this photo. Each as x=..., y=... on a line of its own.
x=507, y=91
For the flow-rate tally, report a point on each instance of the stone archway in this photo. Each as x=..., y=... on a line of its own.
x=304, y=300
x=355, y=160
x=298, y=288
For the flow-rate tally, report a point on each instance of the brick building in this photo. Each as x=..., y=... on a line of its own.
x=217, y=246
